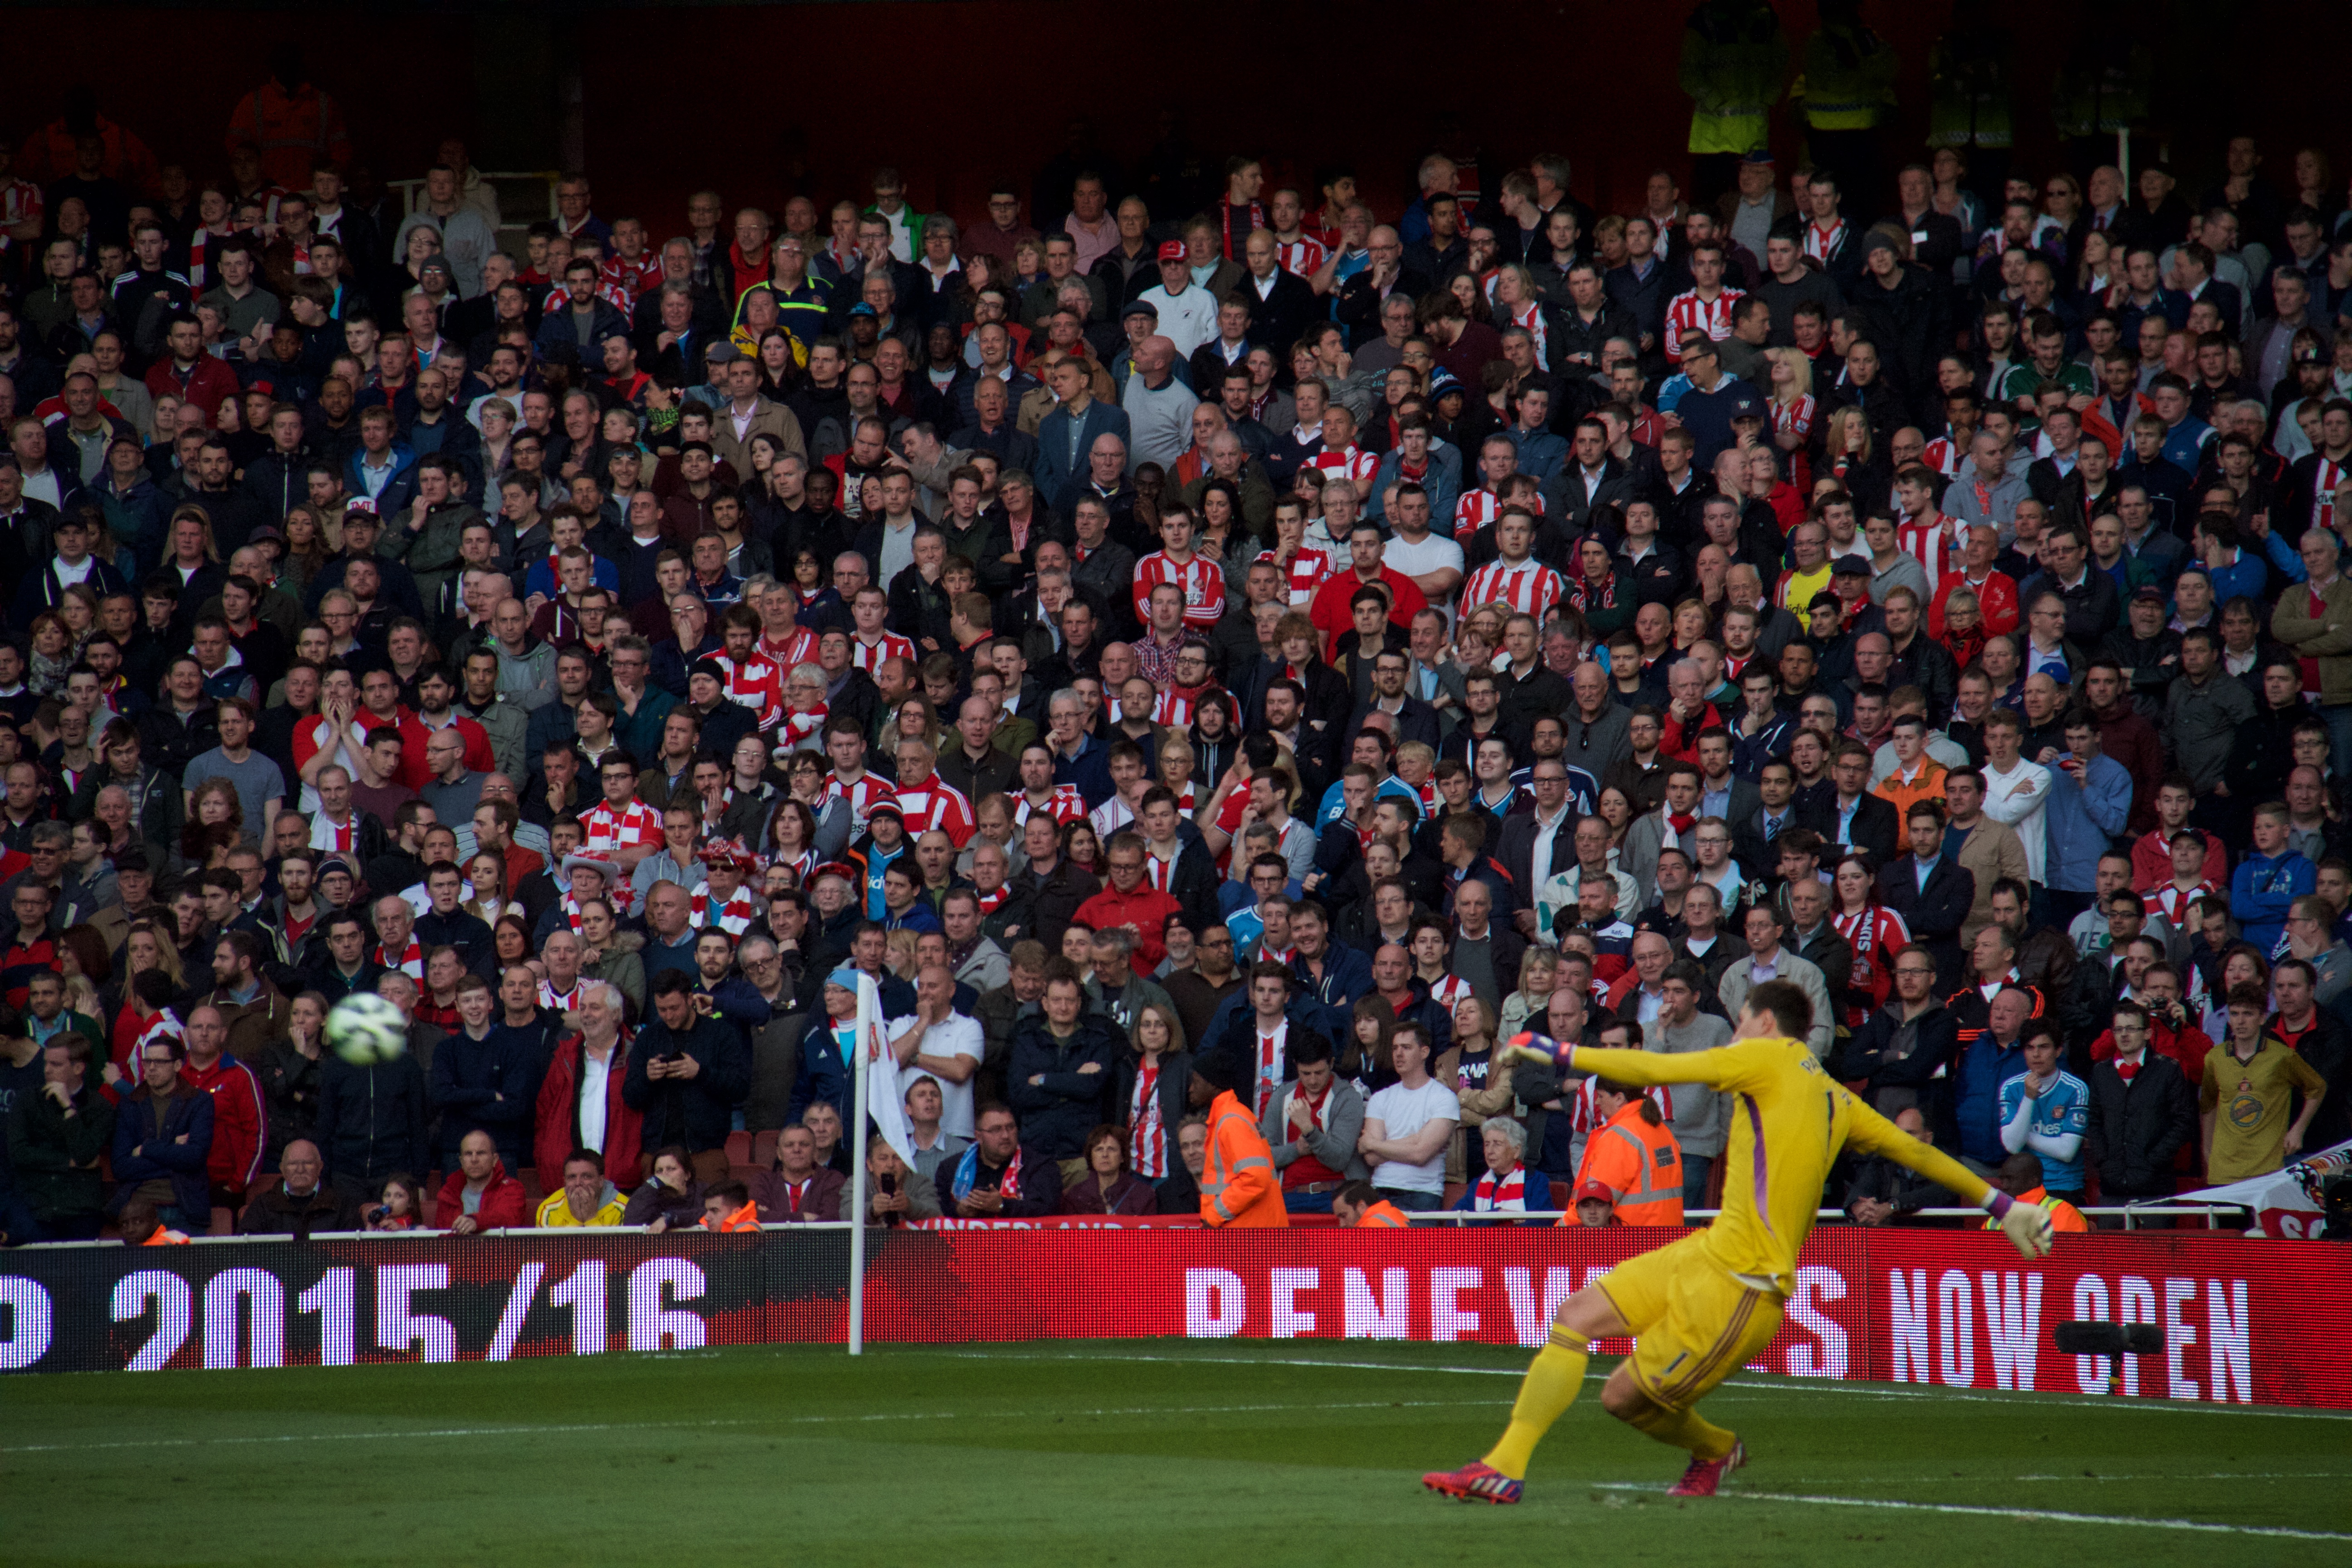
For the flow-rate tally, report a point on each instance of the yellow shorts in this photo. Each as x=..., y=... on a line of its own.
x=1693, y=1324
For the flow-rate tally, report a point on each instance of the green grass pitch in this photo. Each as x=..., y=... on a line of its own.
x=1150, y=1452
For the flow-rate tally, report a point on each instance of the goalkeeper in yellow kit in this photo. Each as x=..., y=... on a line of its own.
x=1702, y=1307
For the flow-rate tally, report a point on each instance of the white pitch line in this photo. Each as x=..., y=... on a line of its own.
x=2035, y=1514
x=1835, y=1386
x=281, y=1438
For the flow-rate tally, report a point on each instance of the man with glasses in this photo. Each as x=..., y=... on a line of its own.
x=1536, y=845
x=1902, y=1046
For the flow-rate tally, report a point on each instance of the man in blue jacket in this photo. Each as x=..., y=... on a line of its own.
x=2090, y=803
x=2269, y=879
x=1067, y=437
x=163, y=1136
x=1979, y=1070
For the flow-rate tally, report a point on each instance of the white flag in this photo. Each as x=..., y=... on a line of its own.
x=883, y=1105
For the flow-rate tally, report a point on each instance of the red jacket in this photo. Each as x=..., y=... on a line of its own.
x=1147, y=910
x=1333, y=618
x=239, y=1115
x=502, y=1206
x=210, y=384
x=559, y=1094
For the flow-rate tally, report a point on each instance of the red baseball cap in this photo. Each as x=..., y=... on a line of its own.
x=1171, y=250
x=1599, y=1190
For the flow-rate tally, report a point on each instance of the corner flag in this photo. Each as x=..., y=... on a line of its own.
x=883, y=1105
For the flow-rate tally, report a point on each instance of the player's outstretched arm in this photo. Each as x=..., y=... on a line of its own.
x=2026, y=1225
x=1721, y=1067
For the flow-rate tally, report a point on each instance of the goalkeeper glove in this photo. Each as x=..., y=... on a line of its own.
x=1540, y=1049
x=2027, y=1225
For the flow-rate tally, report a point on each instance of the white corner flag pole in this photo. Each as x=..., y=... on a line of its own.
x=856, y=1206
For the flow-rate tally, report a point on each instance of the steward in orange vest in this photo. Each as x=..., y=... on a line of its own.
x=1359, y=1204
x=1238, y=1185
x=729, y=1207
x=1634, y=1155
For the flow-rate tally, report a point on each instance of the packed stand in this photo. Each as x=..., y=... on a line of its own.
x=1167, y=636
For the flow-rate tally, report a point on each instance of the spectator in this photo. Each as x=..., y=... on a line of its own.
x=582, y=1101
x=2258, y=1078
x=57, y=1135
x=2046, y=1111
x=1108, y=1187
x=2021, y=1176
x=1314, y=1130
x=2143, y=1113
x=994, y=1179
x=1180, y=1191
x=1702, y=1116
x=729, y=1208
x=895, y=1194
x=239, y=1114
x=1408, y=1125
x=1632, y=1153
x=1883, y=1191
x=1061, y=1074
x=670, y=1198
x=1982, y=1065
x=586, y=1198
x=796, y=1190
x=688, y=1072
x=1358, y=1205
x=300, y=1203
x=483, y=1076
x=1501, y=1186
x=479, y=1195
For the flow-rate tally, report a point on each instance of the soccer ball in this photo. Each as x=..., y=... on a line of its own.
x=365, y=1029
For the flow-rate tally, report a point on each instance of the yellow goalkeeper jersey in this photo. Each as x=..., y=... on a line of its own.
x=1789, y=1121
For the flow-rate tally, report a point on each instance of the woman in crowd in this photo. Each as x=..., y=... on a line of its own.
x=1108, y=1187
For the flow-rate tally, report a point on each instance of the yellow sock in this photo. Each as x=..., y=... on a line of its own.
x=1685, y=1429
x=1554, y=1379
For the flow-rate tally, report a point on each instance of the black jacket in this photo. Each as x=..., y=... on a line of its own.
x=277, y=1212
x=1933, y=914
x=371, y=1121
x=55, y=1158
x=2136, y=1128
x=1874, y=827
x=1067, y=1102
x=1871, y=1053
x=696, y=1111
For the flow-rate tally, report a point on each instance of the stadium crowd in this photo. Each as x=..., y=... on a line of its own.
x=1168, y=634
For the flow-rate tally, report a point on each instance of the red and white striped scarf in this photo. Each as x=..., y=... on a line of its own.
x=411, y=960
x=1508, y=1192
x=1147, y=1132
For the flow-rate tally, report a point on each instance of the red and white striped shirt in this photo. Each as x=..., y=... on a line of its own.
x=410, y=962
x=862, y=795
x=1687, y=313
x=1306, y=571
x=1934, y=546
x=868, y=657
x=1203, y=581
x=1267, y=1079
x=622, y=827
x=1305, y=256
x=1479, y=508
x=798, y=649
x=559, y=1001
x=335, y=837
x=20, y=202
x=1160, y=874
x=1351, y=461
x=1146, y=1129
x=1065, y=805
x=756, y=684
x=934, y=802
x=733, y=917
x=1942, y=456
x=2172, y=903
x=1530, y=588
x=627, y=279
x=1821, y=242
x=1175, y=705
x=1794, y=418
x=2323, y=493
x=1531, y=316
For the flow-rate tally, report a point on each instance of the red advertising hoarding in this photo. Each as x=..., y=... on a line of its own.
x=2244, y=1321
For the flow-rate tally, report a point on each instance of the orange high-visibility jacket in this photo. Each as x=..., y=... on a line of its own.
x=1237, y=1181
x=1641, y=1164
x=745, y=1219
x=1384, y=1216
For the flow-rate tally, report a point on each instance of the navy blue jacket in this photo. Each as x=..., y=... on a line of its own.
x=372, y=1121
x=161, y=1157
x=492, y=1084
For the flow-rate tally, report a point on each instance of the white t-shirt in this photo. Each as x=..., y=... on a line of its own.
x=1405, y=1111
x=956, y=1036
x=1435, y=553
